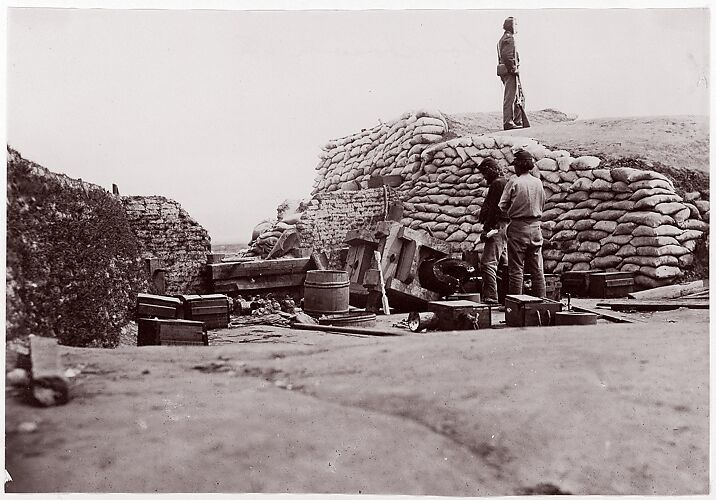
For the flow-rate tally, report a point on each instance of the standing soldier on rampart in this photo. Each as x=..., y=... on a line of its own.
x=508, y=69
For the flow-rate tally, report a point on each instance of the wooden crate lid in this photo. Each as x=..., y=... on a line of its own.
x=523, y=298
x=147, y=298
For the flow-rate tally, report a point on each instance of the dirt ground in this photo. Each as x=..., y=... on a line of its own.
x=605, y=409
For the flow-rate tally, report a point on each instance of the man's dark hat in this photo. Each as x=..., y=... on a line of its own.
x=509, y=24
x=523, y=156
x=489, y=166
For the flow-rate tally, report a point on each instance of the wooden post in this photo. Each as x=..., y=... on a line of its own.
x=386, y=306
x=49, y=385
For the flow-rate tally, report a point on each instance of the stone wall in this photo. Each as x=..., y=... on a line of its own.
x=596, y=217
x=165, y=231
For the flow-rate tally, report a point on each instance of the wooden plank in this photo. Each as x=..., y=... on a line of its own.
x=360, y=236
x=608, y=317
x=654, y=305
x=384, y=296
x=347, y=329
x=405, y=261
x=424, y=239
x=410, y=292
x=214, y=258
x=227, y=270
x=670, y=291
x=218, y=309
x=160, y=300
x=152, y=310
x=48, y=383
x=258, y=283
x=222, y=302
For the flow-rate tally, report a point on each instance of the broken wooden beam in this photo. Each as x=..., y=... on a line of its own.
x=258, y=283
x=256, y=268
x=608, y=317
x=655, y=305
x=671, y=291
x=49, y=386
x=346, y=329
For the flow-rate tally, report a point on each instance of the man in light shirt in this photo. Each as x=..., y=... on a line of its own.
x=523, y=201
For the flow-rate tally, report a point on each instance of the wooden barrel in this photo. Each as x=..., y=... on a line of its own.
x=326, y=292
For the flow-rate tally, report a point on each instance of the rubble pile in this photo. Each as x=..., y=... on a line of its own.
x=269, y=232
x=165, y=231
x=596, y=217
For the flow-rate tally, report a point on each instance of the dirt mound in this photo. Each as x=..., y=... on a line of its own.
x=673, y=141
x=481, y=123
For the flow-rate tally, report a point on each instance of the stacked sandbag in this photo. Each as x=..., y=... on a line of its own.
x=622, y=219
x=267, y=232
x=391, y=148
x=595, y=217
x=446, y=197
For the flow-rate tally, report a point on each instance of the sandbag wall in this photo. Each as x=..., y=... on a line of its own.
x=392, y=148
x=596, y=217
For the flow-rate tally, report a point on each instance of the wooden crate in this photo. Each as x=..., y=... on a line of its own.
x=212, y=310
x=170, y=332
x=609, y=285
x=576, y=283
x=461, y=314
x=158, y=306
x=525, y=310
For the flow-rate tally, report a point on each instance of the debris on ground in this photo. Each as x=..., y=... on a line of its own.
x=268, y=318
x=18, y=378
x=27, y=427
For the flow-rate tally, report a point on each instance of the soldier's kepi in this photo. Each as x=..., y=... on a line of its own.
x=513, y=103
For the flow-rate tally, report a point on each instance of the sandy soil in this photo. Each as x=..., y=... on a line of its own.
x=607, y=409
x=675, y=141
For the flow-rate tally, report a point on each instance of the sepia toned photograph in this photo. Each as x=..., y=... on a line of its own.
x=442, y=250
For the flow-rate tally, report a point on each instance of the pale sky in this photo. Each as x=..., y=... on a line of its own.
x=226, y=111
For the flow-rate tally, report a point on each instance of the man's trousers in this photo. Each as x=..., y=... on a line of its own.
x=511, y=113
x=490, y=259
x=524, y=253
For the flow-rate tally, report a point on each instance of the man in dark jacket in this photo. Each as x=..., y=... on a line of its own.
x=507, y=55
x=523, y=201
x=493, y=232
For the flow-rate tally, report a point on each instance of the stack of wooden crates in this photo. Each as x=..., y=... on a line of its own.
x=182, y=320
x=212, y=310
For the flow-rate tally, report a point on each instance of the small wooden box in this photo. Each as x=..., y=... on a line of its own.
x=608, y=285
x=212, y=310
x=158, y=306
x=576, y=283
x=461, y=314
x=170, y=332
x=525, y=310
